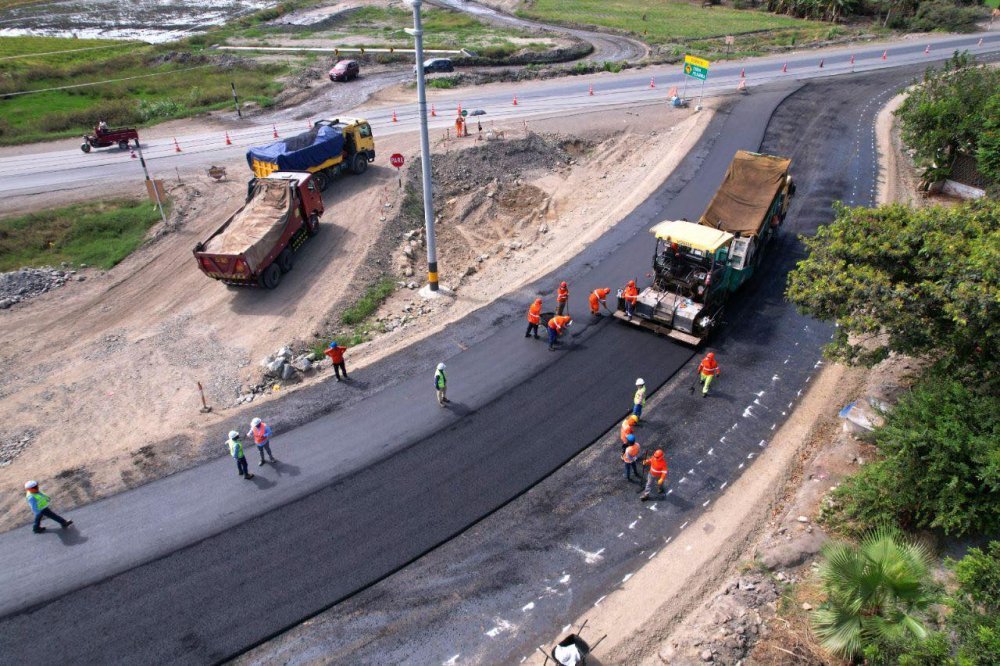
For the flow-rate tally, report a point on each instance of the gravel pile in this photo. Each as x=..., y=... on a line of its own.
x=17, y=286
x=12, y=444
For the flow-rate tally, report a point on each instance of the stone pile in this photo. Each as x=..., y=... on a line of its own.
x=20, y=285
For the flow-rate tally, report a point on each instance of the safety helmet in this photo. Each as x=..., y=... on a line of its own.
x=441, y=366
x=658, y=454
x=639, y=382
x=563, y=285
x=30, y=485
x=538, y=300
x=710, y=355
x=233, y=434
x=631, y=283
x=630, y=439
x=633, y=419
x=254, y=423
x=333, y=344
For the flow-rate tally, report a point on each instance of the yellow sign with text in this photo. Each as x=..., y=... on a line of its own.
x=696, y=61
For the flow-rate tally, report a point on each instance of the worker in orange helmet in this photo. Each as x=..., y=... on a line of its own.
x=534, y=318
x=630, y=454
x=599, y=297
x=657, y=474
x=628, y=428
x=707, y=371
x=562, y=298
x=557, y=326
x=631, y=295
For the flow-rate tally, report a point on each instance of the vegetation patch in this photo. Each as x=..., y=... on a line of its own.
x=369, y=303
x=98, y=234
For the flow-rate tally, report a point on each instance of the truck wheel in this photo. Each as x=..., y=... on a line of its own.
x=271, y=276
x=360, y=164
x=123, y=145
x=322, y=180
x=285, y=260
x=312, y=225
x=85, y=147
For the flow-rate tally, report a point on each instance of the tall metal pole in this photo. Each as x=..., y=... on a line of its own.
x=156, y=190
x=425, y=150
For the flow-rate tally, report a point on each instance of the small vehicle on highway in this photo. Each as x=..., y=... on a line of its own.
x=345, y=70
x=437, y=65
x=105, y=136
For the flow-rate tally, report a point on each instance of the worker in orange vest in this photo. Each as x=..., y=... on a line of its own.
x=628, y=428
x=657, y=474
x=630, y=454
x=562, y=298
x=599, y=297
x=631, y=295
x=707, y=371
x=557, y=326
x=534, y=318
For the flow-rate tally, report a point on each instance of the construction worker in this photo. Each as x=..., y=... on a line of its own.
x=628, y=428
x=657, y=474
x=236, y=451
x=39, y=503
x=261, y=433
x=557, y=326
x=336, y=354
x=639, y=398
x=534, y=318
x=441, y=384
x=631, y=295
x=562, y=298
x=630, y=455
x=599, y=297
x=708, y=370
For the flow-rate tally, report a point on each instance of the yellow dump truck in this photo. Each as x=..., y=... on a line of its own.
x=327, y=149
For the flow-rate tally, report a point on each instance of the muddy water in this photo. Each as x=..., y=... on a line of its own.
x=148, y=20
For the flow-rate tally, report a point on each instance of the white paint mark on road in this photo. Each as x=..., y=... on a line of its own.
x=773, y=426
x=706, y=502
x=685, y=524
x=669, y=539
x=565, y=579
x=653, y=555
x=691, y=471
x=453, y=660
x=740, y=467
x=762, y=442
x=760, y=394
x=527, y=607
x=627, y=576
x=798, y=393
x=747, y=413
x=722, y=440
x=589, y=558
x=631, y=525
x=711, y=451
x=699, y=462
x=775, y=378
x=621, y=534
x=790, y=405
x=501, y=626
x=683, y=480
x=749, y=456
x=652, y=507
x=723, y=486
x=567, y=628
x=598, y=602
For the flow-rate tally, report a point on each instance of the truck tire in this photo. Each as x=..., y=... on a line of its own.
x=123, y=145
x=322, y=180
x=312, y=225
x=285, y=260
x=271, y=276
x=360, y=164
x=85, y=147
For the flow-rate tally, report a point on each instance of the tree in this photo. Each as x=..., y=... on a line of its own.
x=876, y=591
x=975, y=606
x=917, y=282
x=988, y=153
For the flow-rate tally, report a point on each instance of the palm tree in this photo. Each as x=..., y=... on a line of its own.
x=875, y=591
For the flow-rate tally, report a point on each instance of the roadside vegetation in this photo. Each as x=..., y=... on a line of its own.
x=97, y=234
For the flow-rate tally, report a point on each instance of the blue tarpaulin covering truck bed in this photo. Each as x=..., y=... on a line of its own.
x=301, y=152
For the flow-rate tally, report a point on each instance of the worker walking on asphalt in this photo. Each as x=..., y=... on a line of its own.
x=534, y=318
x=236, y=451
x=336, y=354
x=657, y=474
x=707, y=371
x=39, y=503
x=639, y=399
x=441, y=384
x=261, y=433
x=628, y=428
x=599, y=297
x=557, y=326
x=562, y=298
x=631, y=295
x=630, y=455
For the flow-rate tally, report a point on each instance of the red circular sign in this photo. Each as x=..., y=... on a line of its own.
x=396, y=160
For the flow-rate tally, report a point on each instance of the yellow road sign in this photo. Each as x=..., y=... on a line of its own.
x=696, y=61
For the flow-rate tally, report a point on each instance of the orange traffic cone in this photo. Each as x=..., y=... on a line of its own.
x=274, y=131
x=229, y=141
x=515, y=101
x=672, y=92
x=885, y=54
x=821, y=63
x=743, y=73
x=394, y=119
x=591, y=90
x=927, y=49
x=433, y=112
x=652, y=84
x=742, y=86
x=784, y=68
x=459, y=108
x=177, y=146
x=852, y=59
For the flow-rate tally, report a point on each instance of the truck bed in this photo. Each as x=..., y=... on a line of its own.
x=255, y=229
x=751, y=183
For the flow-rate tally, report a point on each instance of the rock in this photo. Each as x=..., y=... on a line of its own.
x=781, y=576
x=706, y=655
x=802, y=519
x=81, y=278
x=287, y=372
x=266, y=361
x=275, y=367
x=470, y=271
x=285, y=353
x=408, y=251
x=544, y=229
x=412, y=285
x=302, y=363
x=806, y=606
x=83, y=265
x=408, y=271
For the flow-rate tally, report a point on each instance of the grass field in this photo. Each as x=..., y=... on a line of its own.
x=97, y=234
x=659, y=21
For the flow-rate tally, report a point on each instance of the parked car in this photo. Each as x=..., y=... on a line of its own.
x=437, y=65
x=345, y=70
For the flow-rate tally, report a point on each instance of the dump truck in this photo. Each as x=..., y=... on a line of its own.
x=327, y=149
x=256, y=245
x=697, y=266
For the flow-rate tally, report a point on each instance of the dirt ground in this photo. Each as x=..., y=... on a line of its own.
x=101, y=375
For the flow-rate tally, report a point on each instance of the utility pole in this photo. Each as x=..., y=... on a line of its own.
x=236, y=100
x=425, y=150
x=156, y=189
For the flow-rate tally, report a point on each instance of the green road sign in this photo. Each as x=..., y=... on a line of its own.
x=465, y=112
x=696, y=67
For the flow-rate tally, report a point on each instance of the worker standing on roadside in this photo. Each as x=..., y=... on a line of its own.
x=236, y=451
x=631, y=295
x=39, y=503
x=534, y=318
x=336, y=354
x=261, y=433
x=628, y=428
x=630, y=455
x=441, y=384
x=599, y=297
x=562, y=298
x=639, y=399
x=707, y=371
x=557, y=326
x=657, y=474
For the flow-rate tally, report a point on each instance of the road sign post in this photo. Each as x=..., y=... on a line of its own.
x=398, y=161
x=696, y=68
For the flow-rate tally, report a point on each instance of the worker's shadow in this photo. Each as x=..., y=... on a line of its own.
x=69, y=537
x=262, y=482
x=285, y=469
x=458, y=408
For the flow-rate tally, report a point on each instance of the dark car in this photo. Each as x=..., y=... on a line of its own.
x=438, y=65
x=345, y=70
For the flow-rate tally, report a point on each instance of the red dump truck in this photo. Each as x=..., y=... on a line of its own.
x=256, y=245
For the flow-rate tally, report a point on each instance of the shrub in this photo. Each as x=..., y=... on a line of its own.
x=944, y=15
x=975, y=606
x=114, y=112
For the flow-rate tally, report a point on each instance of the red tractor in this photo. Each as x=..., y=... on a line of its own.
x=104, y=136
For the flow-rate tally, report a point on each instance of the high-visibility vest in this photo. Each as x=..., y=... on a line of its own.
x=440, y=381
x=535, y=313
x=709, y=367
x=41, y=500
x=631, y=294
x=260, y=433
x=640, y=396
x=235, y=448
x=562, y=295
x=658, y=467
x=631, y=454
x=558, y=323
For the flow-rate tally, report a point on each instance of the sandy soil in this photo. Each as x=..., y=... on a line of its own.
x=897, y=180
x=102, y=373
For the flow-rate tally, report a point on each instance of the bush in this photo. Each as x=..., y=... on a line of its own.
x=369, y=303
x=944, y=15
x=975, y=606
x=159, y=109
x=114, y=112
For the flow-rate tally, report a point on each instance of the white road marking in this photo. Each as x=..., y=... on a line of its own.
x=685, y=524
x=683, y=480
x=710, y=451
x=706, y=502
x=627, y=576
x=596, y=603
x=749, y=456
x=690, y=471
x=726, y=483
x=722, y=440
x=454, y=660
x=775, y=378
x=740, y=467
x=527, y=607
x=762, y=442
x=761, y=394
x=669, y=492
x=773, y=426
x=747, y=413
x=589, y=558
x=567, y=627
x=501, y=626
x=565, y=579
x=621, y=534
x=631, y=525
x=699, y=462
x=653, y=555
x=652, y=507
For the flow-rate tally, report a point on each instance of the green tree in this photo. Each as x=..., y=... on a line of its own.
x=988, y=153
x=876, y=591
x=918, y=282
x=975, y=606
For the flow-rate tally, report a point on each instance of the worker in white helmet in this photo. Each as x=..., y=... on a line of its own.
x=261, y=433
x=441, y=384
x=236, y=451
x=639, y=399
x=39, y=503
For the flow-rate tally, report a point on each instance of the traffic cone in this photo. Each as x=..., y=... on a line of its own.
x=274, y=131
x=672, y=92
x=591, y=89
x=394, y=119
x=652, y=84
x=927, y=49
x=177, y=146
x=784, y=68
x=821, y=63
x=515, y=101
x=885, y=54
x=743, y=73
x=459, y=108
x=433, y=112
x=133, y=155
x=742, y=86
x=980, y=42
x=852, y=59
x=229, y=141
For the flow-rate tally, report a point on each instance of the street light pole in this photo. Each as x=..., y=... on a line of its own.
x=425, y=150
